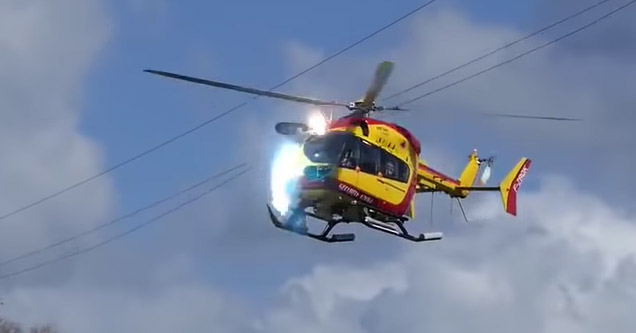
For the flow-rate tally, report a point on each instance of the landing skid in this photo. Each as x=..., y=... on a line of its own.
x=400, y=231
x=335, y=238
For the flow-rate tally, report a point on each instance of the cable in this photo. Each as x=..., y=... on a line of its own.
x=354, y=44
x=122, y=234
x=521, y=55
x=497, y=50
x=207, y=122
x=131, y=214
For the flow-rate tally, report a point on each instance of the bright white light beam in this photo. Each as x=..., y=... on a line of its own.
x=285, y=170
x=317, y=123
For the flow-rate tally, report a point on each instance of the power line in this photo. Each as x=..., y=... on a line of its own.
x=521, y=55
x=209, y=121
x=122, y=234
x=581, y=12
x=123, y=217
x=354, y=44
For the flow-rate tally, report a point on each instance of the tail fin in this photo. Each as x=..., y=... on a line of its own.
x=509, y=186
x=468, y=176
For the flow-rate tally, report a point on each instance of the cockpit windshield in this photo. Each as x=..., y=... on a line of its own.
x=326, y=148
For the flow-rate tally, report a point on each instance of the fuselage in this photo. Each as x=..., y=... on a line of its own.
x=359, y=163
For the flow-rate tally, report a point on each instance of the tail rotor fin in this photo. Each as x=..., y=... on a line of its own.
x=509, y=186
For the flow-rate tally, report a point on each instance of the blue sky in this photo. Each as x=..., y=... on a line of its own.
x=225, y=250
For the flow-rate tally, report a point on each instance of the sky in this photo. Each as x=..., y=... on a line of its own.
x=74, y=100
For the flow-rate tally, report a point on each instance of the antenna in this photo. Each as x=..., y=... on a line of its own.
x=462, y=209
x=432, y=197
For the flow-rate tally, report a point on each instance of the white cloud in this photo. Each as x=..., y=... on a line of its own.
x=185, y=305
x=46, y=50
x=328, y=283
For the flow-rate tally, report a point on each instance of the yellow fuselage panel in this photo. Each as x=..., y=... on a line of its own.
x=382, y=188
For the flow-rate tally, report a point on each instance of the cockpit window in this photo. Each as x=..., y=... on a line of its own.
x=325, y=149
x=373, y=160
x=369, y=158
x=348, y=151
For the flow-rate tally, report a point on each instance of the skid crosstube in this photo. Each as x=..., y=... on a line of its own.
x=335, y=238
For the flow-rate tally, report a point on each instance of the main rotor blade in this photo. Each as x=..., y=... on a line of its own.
x=508, y=115
x=503, y=115
x=244, y=89
x=393, y=108
x=382, y=73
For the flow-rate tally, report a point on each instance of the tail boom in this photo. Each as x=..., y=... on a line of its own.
x=431, y=180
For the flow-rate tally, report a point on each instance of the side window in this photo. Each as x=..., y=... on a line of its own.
x=403, y=172
x=394, y=168
x=369, y=158
x=350, y=154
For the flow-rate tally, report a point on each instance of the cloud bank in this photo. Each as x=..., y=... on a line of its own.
x=45, y=55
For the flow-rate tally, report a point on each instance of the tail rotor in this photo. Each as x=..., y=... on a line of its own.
x=485, y=176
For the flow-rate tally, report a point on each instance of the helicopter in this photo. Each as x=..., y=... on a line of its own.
x=359, y=169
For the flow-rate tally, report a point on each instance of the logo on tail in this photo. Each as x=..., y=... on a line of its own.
x=520, y=177
x=511, y=184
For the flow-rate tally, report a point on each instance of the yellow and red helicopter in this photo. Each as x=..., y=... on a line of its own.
x=357, y=169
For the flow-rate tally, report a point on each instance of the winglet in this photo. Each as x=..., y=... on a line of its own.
x=509, y=186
